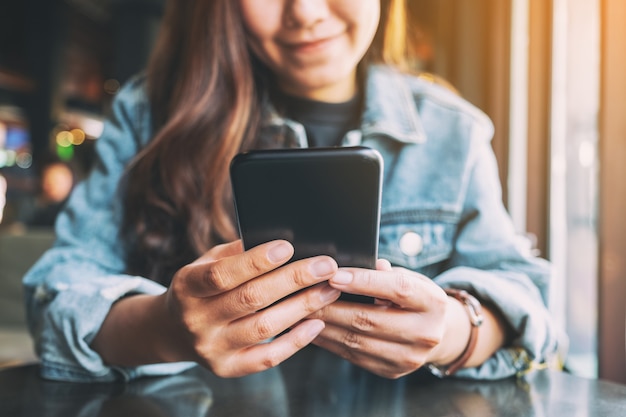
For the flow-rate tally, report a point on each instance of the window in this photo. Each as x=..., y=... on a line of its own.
x=550, y=74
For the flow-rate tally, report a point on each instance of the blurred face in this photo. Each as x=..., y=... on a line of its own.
x=312, y=46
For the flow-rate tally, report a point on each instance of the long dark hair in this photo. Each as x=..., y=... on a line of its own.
x=204, y=90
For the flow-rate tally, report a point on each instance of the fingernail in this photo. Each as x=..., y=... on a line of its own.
x=342, y=277
x=329, y=294
x=316, y=328
x=279, y=252
x=323, y=267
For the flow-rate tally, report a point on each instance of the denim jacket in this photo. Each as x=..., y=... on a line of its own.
x=442, y=216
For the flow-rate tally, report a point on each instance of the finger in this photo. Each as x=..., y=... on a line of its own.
x=224, y=250
x=379, y=321
x=268, y=355
x=403, y=288
x=384, y=358
x=255, y=328
x=383, y=265
x=260, y=293
x=205, y=278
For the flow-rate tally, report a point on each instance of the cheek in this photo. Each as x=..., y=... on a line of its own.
x=370, y=18
x=262, y=20
x=365, y=20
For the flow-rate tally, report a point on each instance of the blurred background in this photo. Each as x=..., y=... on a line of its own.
x=61, y=63
x=550, y=74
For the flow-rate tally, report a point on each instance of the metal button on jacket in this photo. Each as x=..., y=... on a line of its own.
x=411, y=244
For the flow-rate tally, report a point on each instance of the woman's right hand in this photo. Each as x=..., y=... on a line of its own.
x=228, y=303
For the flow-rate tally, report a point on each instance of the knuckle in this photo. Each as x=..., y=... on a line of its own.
x=308, y=304
x=430, y=341
x=189, y=322
x=199, y=349
x=215, y=277
x=347, y=354
x=411, y=363
x=311, y=302
x=203, y=352
x=249, y=296
x=271, y=360
x=353, y=341
x=362, y=321
x=300, y=342
x=263, y=328
x=255, y=264
x=440, y=300
x=300, y=278
x=404, y=287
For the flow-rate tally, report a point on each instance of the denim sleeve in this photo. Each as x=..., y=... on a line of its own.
x=70, y=290
x=494, y=263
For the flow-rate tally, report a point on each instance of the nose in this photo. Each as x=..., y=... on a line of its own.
x=305, y=13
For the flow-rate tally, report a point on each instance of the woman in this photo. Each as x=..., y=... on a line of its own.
x=147, y=271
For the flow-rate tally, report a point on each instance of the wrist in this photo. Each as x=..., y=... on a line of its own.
x=464, y=318
x=137, y=331
x=169, y=337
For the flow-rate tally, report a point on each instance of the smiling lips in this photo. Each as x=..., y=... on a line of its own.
x=310, y=45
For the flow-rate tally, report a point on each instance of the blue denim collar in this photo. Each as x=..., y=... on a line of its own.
x=390, y=107
x=390, y=111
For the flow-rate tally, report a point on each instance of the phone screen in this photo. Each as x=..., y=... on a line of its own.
x=325, y=201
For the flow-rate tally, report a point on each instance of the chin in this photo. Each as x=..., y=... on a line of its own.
x=326, y=79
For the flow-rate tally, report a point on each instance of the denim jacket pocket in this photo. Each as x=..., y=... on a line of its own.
x=417, y=239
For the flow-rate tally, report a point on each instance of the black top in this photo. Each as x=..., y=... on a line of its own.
x=325, y=123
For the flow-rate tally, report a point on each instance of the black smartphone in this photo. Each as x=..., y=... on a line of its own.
x=325, y=201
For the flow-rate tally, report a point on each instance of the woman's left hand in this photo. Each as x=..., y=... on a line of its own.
x=393, y=337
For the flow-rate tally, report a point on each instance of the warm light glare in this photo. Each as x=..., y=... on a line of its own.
x=93, y=127
x=64, y=138
x=78, y=136
x=90, y=125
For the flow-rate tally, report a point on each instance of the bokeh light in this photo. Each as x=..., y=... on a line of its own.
x=65, y=153
x=111, y=86
x=24, y=160
x=64, y=139
x=78, y=136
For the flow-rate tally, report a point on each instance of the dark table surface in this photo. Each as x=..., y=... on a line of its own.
x=313, y=383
